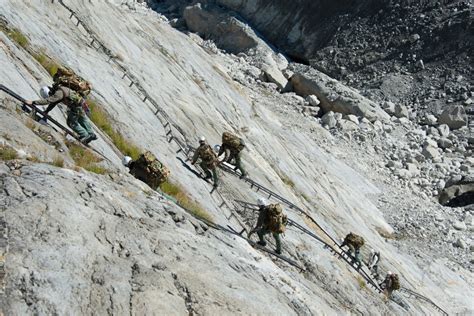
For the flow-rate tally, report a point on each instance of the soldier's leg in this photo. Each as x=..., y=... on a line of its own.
x=238, y=164
x=357, y=255
x=214, y=176
x=73, y=122
x=204, y=168
x=85, y=123
x=261, y=233
x=278, y=242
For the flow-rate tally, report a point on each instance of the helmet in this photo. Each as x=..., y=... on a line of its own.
x=372, y=251
x=126, y=160
x=261, y=202
x=44, y=92
x=389, y=273
x=242, y=142
x=202, y=139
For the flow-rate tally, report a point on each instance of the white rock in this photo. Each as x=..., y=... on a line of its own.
x=353, y=118
x=460, y=243
x=430, y=152
x=21, y=154
x=443, y=130
x=431, y=119
x=313, y=100
x=459, y=225
x=329, y=119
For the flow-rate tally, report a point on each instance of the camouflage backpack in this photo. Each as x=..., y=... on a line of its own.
x=66, y=77
x=156, y=172
x=231, y=140
x=276, y=219
x=208, y=155
x=355, y=240
x=395, y=282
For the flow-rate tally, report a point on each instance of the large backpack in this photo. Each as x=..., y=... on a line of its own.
x=276, y=219
x=231, y=140
x=156, y=172
x=66, y=77
x=395, y=282
x=208, y=155
x=355, y=240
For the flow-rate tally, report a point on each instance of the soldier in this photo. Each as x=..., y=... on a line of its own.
x=354, y=242
x=76, y=118
x=147, y=169
x=208, y=160
x=232, y=147
x=270, y=220
x=373, y=263
x=390, y=284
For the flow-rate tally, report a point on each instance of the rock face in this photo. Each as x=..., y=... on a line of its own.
x=75, y=242
x=334, y=96
x=460, y=193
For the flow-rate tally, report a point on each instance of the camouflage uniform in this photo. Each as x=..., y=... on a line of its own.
x=387, y=285
x=76, y=118
x=353, y=250
x=232, y=153
x=263, y=229
x=139, y=171
x=209, y=167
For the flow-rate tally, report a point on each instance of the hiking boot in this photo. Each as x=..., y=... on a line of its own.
x=262, y=243
x=278, y=251
x=93, y=136
x=86, y=140
x=243, y=176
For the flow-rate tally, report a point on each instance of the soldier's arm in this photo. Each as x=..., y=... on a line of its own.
x=195, y=156
x=52, y=100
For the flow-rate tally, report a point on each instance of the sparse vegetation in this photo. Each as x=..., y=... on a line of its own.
x=7, y=153
x=361, y=282
x=58, y=162
x=85, y=158
x=102, y=121
x=286, y=180
x=183, y=200
x=50, y=65
x=18, y=37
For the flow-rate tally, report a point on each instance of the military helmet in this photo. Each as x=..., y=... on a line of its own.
x=389, y=273
x=202, y=139
x=261, y=201
x=44, y=92
x=126, y=160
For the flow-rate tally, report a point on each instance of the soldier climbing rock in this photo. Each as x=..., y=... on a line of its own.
x=208, y=162
x=354, y=242
x=71, y=90
x=373, y=263
x=270, y=220
x=232, y=147
x=147, y=169
x=390, y=284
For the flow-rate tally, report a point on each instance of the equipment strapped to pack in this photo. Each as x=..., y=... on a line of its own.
x=276, y=219
x=150, y=169
x=67, y=78
x=231, y=140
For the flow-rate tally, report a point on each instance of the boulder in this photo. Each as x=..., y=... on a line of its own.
x=352, y=118
x=445, y=143
x=460, y=193
x=273, y=74
x=336, y=97
x=227, y=31
x=430, y=152
x=455, y=117
x=313, y=100
x=443, y=130
x=389, y=107
x=329, y=119
x=401, y=111
x=430, y=119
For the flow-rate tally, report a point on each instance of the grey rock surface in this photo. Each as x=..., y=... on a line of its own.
x=455, y=117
